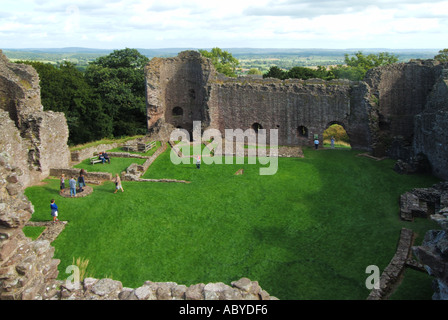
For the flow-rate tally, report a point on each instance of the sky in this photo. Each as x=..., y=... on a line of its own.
x=148, y=24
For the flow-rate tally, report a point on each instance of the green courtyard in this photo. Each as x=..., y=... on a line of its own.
x=307, y=232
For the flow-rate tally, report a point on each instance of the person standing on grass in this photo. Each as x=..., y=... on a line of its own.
x=198, y=162
x=62, y=185
x=118, y=185
x=72, y=184
x=332, y=142
x=316, y=144
x=81, y=183
x=54, y=210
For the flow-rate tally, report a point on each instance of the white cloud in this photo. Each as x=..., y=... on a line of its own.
x=203, y=23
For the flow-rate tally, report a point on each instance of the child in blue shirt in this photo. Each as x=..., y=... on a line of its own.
x=54, y=210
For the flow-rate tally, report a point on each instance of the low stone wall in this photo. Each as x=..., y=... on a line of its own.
x=80, y=155
x=393, y=272
x=108, y=289
x=135, y=171
x=89, y=176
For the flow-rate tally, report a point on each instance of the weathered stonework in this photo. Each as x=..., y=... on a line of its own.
x=34, y=139
x=31, y=142
x=186, y=88
x=399, y=110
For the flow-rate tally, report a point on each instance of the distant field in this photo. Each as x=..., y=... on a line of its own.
x=261, y=59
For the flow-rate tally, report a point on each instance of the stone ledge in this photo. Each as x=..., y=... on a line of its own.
x=108, y=289
x=393, y=272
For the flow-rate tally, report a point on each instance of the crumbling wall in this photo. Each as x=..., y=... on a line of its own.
x=31, y=142
x=37, y=140
x=399, y=92
x=187, y=88
x=398, y=110
x=177, y=92
x=283, y=105
x=431, y=134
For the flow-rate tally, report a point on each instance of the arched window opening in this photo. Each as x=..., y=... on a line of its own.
x=336, y=137
x=178, y=111
x=302, y=132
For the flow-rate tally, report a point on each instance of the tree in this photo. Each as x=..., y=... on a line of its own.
x=442, y=56
x=299, y=73
x=223, y=61
x=275, y=72
x=119, y=80
x=255, y=71
x=357, y=66
x=64, y=89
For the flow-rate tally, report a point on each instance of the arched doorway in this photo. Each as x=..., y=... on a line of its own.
x=302, y=132
x=339, y=135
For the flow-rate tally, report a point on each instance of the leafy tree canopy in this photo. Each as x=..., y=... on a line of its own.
x=357, y=66
x=119, y=80
x=223, y=61
x=64, y=89
x=442, y=56
x=299, y=73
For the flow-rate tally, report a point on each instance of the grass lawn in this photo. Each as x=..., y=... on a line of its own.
x=307, y=232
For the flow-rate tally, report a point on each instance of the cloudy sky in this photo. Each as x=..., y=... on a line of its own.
x=116, y=24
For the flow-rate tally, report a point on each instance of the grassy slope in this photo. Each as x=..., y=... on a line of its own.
x=308, y=232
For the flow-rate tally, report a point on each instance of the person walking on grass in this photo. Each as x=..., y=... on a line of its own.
x=198, y=162
x=316, y=143
x=118, y=185
x=54, y=211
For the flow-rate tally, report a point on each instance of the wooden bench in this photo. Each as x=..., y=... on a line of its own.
x=94, y=160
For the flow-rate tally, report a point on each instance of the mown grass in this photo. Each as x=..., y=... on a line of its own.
x=307, y=232
x=33, y=232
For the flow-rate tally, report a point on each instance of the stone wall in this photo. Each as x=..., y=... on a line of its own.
x=398, y=111
x=27, y=268
x=431, y=134
x=36, y=140
x=400, y=92
x=433, y=252
x=31, y=142
x=177, y=92
x=108, y=289
x=186, y=88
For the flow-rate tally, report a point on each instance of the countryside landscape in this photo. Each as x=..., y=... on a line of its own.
x=306, y=233
x=240, y=158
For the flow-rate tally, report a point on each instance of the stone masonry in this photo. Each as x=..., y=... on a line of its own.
x=397, y=111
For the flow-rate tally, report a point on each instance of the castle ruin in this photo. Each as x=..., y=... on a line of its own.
x=399, y=110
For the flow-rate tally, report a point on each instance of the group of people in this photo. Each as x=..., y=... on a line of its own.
x=316, y=143
x=72, y=183
x=81, y=184
x=104, y=157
